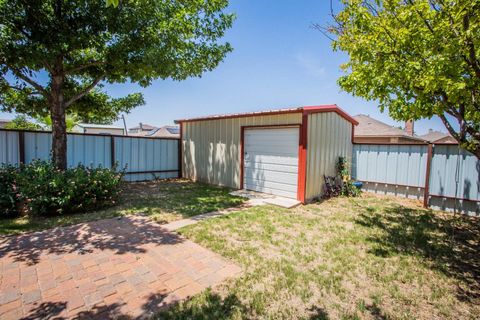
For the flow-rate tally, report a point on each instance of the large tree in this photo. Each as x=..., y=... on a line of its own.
x=417, y=58
x=54, y=54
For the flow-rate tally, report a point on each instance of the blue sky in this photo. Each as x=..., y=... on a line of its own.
x=278, y=61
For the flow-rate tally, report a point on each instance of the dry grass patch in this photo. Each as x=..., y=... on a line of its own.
x=345, y=258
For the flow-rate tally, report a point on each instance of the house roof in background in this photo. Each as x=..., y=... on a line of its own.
x=433, y=136
x=161, y=132
x=370, y=127
x=145, y=127
x=99, y=126
x=308, y=109
x=4, y=122
x=165, y=131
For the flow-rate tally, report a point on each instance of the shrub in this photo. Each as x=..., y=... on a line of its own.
x=45, y=190
x=343, y=171
x=8, y=191
x=341, y=184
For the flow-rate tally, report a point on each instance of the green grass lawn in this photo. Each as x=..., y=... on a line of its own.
x=163, y=201
x=346, y=258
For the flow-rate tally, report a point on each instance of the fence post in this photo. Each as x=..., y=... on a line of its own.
x=426, y=192
x=21, y=146
x=112, y=152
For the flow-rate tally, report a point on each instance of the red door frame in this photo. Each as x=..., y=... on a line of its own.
x=301, y=153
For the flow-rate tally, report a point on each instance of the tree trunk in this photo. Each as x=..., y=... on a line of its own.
x=59, y=125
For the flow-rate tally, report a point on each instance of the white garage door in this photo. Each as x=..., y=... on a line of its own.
x=271, y=161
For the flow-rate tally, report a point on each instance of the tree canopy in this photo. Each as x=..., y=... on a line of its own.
x=55, y=54
x=417, y=58
x=21, y=122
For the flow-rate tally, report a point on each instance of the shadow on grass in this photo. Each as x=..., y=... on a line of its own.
x=179, y=196
x=208, y=305
x=211, y=306
x=451, y=244
x=318, y=313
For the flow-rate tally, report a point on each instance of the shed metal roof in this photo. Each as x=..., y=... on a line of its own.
x=307, y=109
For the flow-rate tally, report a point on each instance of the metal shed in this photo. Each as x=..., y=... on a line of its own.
x=282, y=152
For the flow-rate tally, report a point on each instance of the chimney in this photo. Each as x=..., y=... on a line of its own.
x=141, y=126
x=409, y=127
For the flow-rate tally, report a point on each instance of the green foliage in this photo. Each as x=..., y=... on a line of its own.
x=56, y=55
x=88, y=43
x=347, y=188
x=417, y=58
x=343, y=169
x=21, y=122
x=71, y=121
x=8, y=191
x=43, y=189
x=113, y=3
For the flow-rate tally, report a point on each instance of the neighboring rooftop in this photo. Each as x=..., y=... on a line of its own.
x=161, y=132
x=141, y=127
x=4, y=122
x=165, y=132
x=370, y=127
x=438, y=137
x=99, y=126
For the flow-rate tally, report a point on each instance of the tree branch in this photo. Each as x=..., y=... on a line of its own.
x=84, y=66
x=23, y=77
x=450, y=128
x=472, y=61
x=85, y=91
x=425, y=21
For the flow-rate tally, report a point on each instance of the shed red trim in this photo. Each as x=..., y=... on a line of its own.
x=302, y=159
x=330, y=108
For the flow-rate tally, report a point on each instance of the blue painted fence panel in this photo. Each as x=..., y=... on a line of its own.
x=92, y=151
x=444, y=174
x=392, y=164
x=132, y=153
x=9, y=150
x=140, y=154
x=89, y=150
x=37, y=146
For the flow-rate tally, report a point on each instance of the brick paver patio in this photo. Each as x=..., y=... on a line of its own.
x=117, y=268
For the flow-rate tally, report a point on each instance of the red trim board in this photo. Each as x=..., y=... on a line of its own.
x=302, y=159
